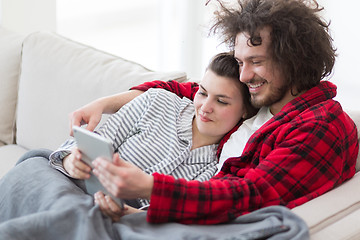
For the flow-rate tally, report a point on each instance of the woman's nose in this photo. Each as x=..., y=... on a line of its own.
x=206, y=107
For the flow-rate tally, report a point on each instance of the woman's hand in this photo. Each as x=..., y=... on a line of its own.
x=75, y=167
x=109, y=207
x=123, y=179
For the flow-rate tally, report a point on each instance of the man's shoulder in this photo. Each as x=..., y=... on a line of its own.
x=328, y=115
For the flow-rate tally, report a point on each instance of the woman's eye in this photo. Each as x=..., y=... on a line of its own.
x=222, y=102
x=202, y=93
x=256, y=62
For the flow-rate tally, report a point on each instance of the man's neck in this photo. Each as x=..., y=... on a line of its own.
x=276, y=107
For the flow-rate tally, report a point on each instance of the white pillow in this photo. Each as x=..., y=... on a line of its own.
x=59, y=75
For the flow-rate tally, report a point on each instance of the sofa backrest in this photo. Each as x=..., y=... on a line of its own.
x=355, y=115
x=58, y=76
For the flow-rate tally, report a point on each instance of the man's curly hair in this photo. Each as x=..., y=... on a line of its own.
x=300, y=41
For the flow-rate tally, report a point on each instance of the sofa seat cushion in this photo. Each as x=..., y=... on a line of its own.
x=10, y=44
x=59, y=75
x=9, y=156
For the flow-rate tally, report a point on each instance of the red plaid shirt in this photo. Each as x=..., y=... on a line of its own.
x=304, y=151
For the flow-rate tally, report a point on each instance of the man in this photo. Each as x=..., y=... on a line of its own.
x=305, y=145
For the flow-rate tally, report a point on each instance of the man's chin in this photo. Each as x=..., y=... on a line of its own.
x=257, y=103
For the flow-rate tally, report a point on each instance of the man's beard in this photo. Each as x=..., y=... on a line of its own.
x=276, y=94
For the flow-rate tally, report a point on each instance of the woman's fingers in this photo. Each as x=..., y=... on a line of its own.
x=108, y=207
x=75, y=166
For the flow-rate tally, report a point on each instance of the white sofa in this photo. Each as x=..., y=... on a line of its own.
x=44, y=76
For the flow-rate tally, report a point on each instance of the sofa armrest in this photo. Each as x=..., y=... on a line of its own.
x=331, y=209
x=10, y=45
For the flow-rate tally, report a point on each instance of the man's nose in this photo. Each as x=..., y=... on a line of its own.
x=246, y=73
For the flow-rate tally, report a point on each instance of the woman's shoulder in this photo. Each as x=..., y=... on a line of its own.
x=165, y=96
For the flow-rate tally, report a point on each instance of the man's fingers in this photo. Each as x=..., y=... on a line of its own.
x=73, y=121
x=104, y=177
x=105, y=166
x=108, y=179
x=120, y=162
x=91, y=125
x=117, y=160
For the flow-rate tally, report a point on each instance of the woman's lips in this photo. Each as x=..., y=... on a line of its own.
x=204, y=119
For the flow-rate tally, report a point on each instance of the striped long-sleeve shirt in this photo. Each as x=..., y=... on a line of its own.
x=154, y=131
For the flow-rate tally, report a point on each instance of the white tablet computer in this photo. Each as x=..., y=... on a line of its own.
x=91, y=146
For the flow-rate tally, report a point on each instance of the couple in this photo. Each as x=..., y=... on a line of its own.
x=299, y=145
x=303, y=144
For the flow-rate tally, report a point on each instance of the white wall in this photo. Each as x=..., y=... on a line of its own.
x=184, y=45
x=0, y=12
x=344, y=16
x=160, y=34
x=24, y=16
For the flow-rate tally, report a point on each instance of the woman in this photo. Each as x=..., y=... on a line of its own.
x=160, y=132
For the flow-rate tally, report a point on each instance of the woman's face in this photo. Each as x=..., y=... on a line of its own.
x=219, y=105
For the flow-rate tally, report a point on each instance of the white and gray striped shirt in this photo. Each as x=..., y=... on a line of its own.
x=154, y=132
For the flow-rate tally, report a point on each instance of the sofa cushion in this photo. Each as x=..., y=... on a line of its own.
x=10, y=44
x=11, y=153
x=58, y=76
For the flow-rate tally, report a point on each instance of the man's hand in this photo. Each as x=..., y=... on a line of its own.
x=123, y=179
x=75, y=167
x=109, y=207
x=89, y=114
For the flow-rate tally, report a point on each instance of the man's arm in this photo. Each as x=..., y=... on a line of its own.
x=307, y=161
x=91, y=113
x=184, y=89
